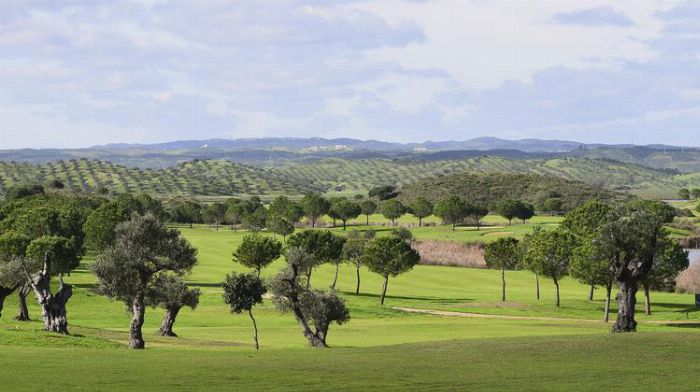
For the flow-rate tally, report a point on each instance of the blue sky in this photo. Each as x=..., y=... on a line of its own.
x=83, y=72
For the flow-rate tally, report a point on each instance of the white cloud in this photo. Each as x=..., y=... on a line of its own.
x=81, y=73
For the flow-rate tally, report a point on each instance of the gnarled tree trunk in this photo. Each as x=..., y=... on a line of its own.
x=627, y=299
x=53, y=307
x=166, y=327
x=315, y=340
x=23, y=311
x=138, y=311
x=357, y=288
x=4, y=293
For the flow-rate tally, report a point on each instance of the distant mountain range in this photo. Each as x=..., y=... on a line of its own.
x=276, y=151
x=348, y=144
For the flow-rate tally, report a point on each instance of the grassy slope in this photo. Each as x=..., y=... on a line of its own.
x=214, y=349
x=661, y=361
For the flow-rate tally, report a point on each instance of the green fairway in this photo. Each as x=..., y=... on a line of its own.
x=380, y=346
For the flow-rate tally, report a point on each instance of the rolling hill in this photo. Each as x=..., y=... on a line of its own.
x=335, y=175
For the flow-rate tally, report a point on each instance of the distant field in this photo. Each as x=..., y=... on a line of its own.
x=380, y=347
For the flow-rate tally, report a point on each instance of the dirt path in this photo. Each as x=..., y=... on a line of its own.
x=490, y=316
x=510, y=317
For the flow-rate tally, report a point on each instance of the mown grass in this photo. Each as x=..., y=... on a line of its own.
x=380, y=348
x=641, y=362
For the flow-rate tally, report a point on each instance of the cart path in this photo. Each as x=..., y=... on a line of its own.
x=538, y=318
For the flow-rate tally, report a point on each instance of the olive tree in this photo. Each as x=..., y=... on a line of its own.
x=242, y=292
x=143, y=248
x=100, y=224
x=13, y=246
x=631, y=241
x=315, y=311
x=257, y=251
x=504, y=253
x=54, y=223
x=389, y=256
x=47, y=256
x=171, y=293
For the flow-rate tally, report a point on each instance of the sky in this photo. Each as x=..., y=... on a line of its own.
x=76, y=73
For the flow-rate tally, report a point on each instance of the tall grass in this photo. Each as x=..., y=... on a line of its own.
x=453, y=254
x=688, y=281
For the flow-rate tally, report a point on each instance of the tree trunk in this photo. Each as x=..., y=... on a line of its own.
x=537, y=286
x=392, y=222
x=384, y=285
x=556, y=291
x=313, y=222
x=255, y=330
x=590, y=293
x=344, y=224
x=627, y=299
x=367, y=223
x=53, y=307
x=314, y=339
x=138, y=312
x=647, y=301
x=503, y=282
x=308, y=278
x=166, y=327
x=478, y=225
x=23, y=311
x=454, y=225
x=4, y=293
x=335, y=278
x=420, y=221
x=357, y=289
x=608, y=289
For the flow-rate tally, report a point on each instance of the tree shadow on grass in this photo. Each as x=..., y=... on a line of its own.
x=388, y=296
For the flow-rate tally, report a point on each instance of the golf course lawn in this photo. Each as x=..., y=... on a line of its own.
x=539, y=347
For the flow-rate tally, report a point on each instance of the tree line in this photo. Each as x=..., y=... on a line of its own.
x=600, y=245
